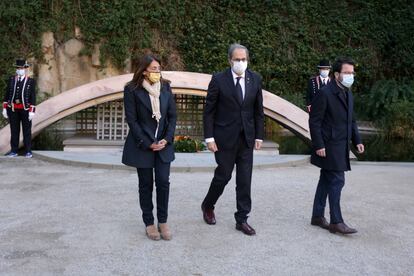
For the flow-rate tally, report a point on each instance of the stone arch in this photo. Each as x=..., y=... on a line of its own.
x=285, y=113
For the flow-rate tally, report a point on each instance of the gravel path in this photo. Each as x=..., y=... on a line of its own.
x=63, y=220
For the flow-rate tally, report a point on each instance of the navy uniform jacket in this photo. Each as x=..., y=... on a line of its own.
x=28, y=95
x=314, y=85
x=333, y=126
x=225, y=116
x=142, y=126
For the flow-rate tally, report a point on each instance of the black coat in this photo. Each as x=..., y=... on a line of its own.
x=332, y=126
x=314, y=85
x=224, y=116
x=28, y=96
x=142, y=127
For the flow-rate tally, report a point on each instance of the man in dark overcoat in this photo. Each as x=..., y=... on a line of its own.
x=332, y=126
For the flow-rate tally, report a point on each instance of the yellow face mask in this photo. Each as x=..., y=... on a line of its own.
x=154, y=77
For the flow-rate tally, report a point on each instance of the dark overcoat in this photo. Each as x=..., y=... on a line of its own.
x=142, y=126
x=332, y=126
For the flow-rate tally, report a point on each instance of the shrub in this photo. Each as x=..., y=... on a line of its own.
x=385, y=93
x=399, y=121
x=186, y=144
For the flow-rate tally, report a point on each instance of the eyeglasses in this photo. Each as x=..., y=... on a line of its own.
x=349, y=73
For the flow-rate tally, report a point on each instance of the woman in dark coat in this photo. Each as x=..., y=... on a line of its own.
x=151, y=116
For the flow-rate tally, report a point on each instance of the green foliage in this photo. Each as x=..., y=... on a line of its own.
x=186, y=144
x=399, y=121
x=49, y=139
x=380, y=148
x=390, y=104
x=385, y=93
x=291, y=145
x=286, y=39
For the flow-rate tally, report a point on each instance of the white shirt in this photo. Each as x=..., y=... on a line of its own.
x=324, y=80
x=243, y=87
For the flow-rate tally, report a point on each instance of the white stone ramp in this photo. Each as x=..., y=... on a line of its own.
x=184, y=162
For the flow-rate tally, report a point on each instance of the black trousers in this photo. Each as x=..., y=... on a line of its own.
x=16, y=118
x=330, y=185
x=241, y=156
x=145, y=188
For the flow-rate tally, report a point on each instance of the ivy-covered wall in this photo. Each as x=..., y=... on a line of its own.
x=286, y=38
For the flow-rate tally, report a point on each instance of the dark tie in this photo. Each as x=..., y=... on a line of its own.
x=239, y=90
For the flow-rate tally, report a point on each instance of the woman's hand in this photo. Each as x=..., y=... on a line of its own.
x=163, y=142
x=158, y=146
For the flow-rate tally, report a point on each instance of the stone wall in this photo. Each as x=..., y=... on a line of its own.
x=64, y=66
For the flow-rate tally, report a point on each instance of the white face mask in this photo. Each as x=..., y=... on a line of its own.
x=324, y=73
x=20, y=72
x=239, y=67
x=347, y=80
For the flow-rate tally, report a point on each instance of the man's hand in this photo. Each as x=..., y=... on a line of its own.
x=31, y=115
x=258, y=145
x=360, y=148
x=212, y=146
x=5, y=113
x=157, y=146
x=308, y=107
x=321, y=152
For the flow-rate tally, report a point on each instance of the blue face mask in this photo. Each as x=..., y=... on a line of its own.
x=324, y=73
x=347, y=80
x=20, y=72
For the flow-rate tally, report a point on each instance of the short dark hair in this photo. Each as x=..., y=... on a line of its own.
x=337, y=66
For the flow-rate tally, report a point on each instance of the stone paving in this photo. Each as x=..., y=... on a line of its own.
x=57, y=219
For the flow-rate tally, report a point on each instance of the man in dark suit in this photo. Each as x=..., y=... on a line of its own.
x=332, y=127
x=315, y=83
x=233, y=126
x=19, y=107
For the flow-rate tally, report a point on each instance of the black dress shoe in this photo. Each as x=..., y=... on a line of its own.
x=341, y=228
x=208, y=215
x=245, y=228
x=321, y=222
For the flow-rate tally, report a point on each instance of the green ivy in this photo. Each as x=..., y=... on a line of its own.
x=286, y=39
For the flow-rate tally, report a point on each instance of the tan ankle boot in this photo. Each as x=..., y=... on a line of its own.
x=165, y=231
x=152, y=232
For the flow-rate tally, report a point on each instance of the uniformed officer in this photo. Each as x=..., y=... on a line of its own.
x=19, y=107
x=317, y=82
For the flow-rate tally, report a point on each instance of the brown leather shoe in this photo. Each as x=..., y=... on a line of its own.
x=341, y=228
x=245, y=228
x=321, y=222
x=208, y=215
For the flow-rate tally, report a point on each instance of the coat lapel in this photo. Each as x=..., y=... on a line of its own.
x=144, y=97
x=248, y=86
x=350, y=105
x=163, y=101
x=340, y=94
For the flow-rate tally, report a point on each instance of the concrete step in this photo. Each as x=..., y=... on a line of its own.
x=89, y=143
